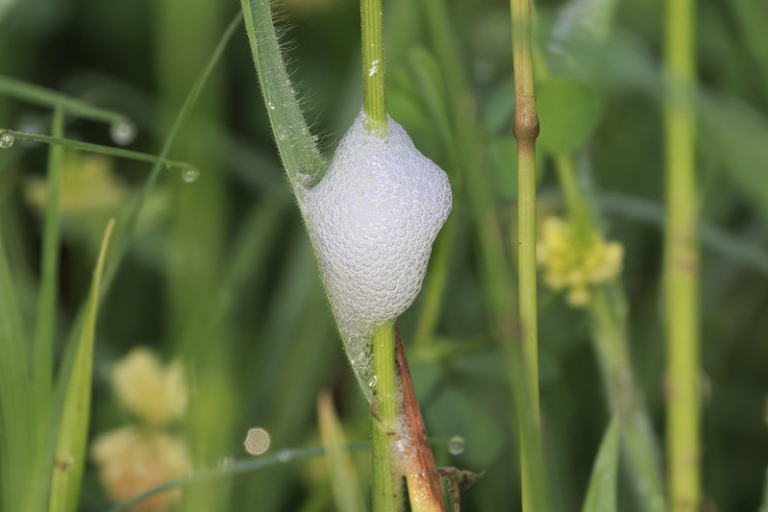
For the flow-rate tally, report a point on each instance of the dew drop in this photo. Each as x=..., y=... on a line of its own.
x=6, y=140
x=456, y=445
x=372, y=382
x=257, y=441
x=284, y=456
x=271, y=105
x=315, y=138
x=123, y=132
x=190, y=174
x=303, y=131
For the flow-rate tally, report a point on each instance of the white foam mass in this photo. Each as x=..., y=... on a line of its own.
x=373, y=219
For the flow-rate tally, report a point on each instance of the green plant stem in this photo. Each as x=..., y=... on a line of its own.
x=497, y=275
x=681, y=284
x=46, y=306
x=37, y=95
x=606, y=311
x=160, y=161
x=526, y=129
x=386, y=480
x=373, y=62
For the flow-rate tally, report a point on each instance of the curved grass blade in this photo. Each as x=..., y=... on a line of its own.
x=98, y=148
x=346, y=493
x=601, y=493
x=37, y=95
x=302, y=160
x=236, y=468
x=69, y=460
x=16, y=414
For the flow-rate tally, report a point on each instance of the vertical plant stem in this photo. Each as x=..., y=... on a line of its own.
x=526, y=129
x=386, y=479
x=611, y=348
x=45, y=326
x=373, y=62
x=681, y=260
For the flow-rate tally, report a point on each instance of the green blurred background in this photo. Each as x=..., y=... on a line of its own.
x=221, y=273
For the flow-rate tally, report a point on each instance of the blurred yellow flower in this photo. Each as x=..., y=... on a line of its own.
x=155, y=394
x=88, y=184
x=571, y=263
x=131, y=462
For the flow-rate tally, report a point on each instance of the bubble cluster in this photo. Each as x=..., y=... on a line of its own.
x=373, y=219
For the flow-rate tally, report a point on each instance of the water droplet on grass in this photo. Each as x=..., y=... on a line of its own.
x=6, y=140
x=123, y=132
x=257, y=441
x=271, y=105
x=456, y=445
x=190, y=174
x=372, y=382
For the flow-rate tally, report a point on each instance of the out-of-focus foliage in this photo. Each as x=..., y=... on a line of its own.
x=221, y=274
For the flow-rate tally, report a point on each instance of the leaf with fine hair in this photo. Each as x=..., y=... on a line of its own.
x=302, y=160
x=601, y=493
x=69, y=460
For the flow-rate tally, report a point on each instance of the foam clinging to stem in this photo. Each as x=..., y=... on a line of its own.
x=373, y=219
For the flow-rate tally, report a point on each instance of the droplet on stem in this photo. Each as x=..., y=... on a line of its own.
x=190, y=174
x=123, y=131
x=257, y=441
x=456, y=445
x=6, y=140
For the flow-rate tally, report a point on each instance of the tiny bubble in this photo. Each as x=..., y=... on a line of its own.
x=456, y=445
x=6, y=140
x=271, y=105
x=190, y=174
x=123, y=132
x=257, y=441
x=372, y=382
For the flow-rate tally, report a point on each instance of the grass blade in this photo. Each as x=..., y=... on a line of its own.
x=37, y=95
x=46, y=307
x=69, y=462
x=346, y=493
x=601, y=493
x=16, y=417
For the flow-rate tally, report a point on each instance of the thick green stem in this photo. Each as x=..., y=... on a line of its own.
x=386, y=479
x=526, y=129
x=373, y=62
x=681, y=260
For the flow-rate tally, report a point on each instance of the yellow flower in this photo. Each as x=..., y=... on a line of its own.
x=131, y=462
x=573, y=263
x=155, y=394
x=88, y=184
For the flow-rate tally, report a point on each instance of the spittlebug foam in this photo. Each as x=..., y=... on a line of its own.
x=373, y=219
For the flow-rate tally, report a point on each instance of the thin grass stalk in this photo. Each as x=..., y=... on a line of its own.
x=37, y=95
x=681, y=284
x=609, y=338
x=387, y=487
x=161, y=162
x=45, y=326
x=498, y=279
x=526, y=129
